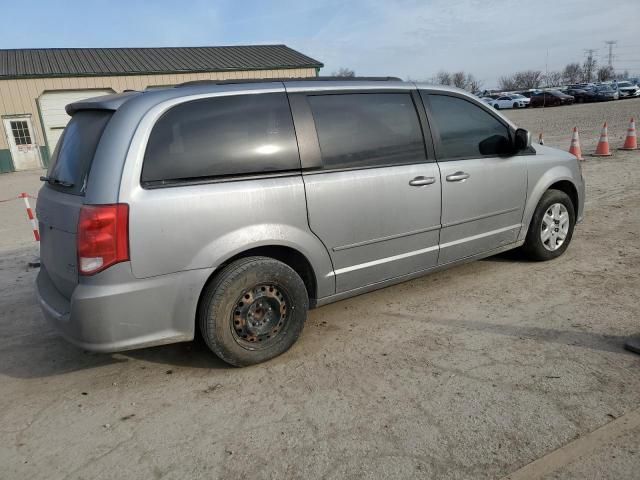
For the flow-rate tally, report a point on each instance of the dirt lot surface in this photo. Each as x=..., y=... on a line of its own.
x=471, y=373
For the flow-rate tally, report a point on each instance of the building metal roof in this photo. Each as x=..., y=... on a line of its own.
x=66, y=62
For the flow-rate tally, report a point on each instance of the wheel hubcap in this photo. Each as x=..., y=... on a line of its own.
x=259, y=316
x=555, y=227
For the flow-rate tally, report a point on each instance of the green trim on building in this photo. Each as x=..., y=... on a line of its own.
x=45, y=152
x=44, y=156
x=6, y=164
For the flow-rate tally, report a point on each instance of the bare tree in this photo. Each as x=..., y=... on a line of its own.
x=473, y=84
x=442, y=78
x=344, y=72
x=605, y=73
x=622, y=75
x=589, y=69
x=528, y=79
x=572, y=73
x=521, y=80
x=553, y=79
x=507, y=82
x=459, y=79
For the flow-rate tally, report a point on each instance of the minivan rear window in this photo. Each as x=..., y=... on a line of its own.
x=73, y=156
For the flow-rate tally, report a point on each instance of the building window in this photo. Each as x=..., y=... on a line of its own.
x=21, y=134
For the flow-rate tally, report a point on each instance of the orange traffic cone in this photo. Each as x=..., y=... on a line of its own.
x=540, y=139
x=602, y=150
x=574, y=148
x=631, y=142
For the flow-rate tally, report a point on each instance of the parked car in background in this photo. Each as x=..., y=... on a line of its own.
x=529, y=93
x=628, y=89
x=510, y=101
x=581, y=86
x=582, y=95
x=605, y=92
x=233, y=208
x=551, y=98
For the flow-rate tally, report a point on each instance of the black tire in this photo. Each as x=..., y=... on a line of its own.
x=533, y=246
x=225, y=321
x=496, y=106
x=515, y=105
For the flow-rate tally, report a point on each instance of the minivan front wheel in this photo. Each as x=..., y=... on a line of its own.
x=551, y=227
x=253, y=310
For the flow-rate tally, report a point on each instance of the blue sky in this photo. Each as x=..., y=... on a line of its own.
x=406, y=38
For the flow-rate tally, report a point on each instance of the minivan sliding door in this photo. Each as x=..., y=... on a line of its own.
x=374, y=196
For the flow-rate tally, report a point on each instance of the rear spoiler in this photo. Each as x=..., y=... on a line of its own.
x=104, y=102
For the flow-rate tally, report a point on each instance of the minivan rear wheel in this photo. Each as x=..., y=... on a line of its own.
x=253, y=310
x=551, y=227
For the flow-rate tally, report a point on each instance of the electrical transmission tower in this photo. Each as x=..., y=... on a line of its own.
x=589, y=66
x=611, y=43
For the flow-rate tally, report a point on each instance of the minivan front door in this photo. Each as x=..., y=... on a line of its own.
x=483, y=192
x=375, y=199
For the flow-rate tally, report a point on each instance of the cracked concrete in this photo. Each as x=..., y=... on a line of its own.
x=470, y=373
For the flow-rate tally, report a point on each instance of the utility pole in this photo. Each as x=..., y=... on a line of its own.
x=611, y=43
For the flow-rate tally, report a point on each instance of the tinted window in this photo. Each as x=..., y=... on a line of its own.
x=73, y=155
x=367, y=129
x=236, y=135
x=466, y=130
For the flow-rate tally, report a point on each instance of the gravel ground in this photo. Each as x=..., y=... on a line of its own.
x=15, y=228
x=469, y=373
x=556, y=123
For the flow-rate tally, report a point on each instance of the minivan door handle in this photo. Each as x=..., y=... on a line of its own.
x=422, y=181
x=458, y=177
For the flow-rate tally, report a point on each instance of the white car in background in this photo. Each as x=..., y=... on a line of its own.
x=628, y=89
x=510, y=101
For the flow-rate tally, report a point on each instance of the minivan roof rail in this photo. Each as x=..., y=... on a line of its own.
x=287, y=79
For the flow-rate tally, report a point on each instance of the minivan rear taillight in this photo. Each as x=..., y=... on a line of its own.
x=103, y=237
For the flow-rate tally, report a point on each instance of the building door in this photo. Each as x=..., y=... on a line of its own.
x=54, y=116
x=22, y=142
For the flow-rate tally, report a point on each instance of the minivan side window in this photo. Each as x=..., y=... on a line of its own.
x=466, y=130
x=222, y=136
x=359, y=130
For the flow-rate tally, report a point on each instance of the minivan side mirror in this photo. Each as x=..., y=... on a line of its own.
x=522, y=139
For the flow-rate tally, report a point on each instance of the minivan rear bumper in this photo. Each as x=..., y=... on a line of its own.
x=114, y=311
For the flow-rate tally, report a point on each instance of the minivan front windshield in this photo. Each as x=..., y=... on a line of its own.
x=73, y=155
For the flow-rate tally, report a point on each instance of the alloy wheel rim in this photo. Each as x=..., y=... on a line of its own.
x=260, y=316
x=555, y=227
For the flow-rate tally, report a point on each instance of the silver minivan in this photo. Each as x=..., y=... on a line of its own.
x=236, y=207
